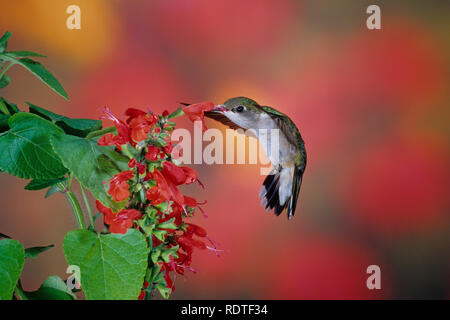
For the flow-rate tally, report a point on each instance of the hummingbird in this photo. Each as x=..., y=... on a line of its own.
x=281, y=187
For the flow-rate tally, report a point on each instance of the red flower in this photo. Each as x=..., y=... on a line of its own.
x=132, y=163
x=140, y=123
x=152, y=153
x=132, y=113
x=118, y=222
x=123, y=132
x=179, y=175
x=118, y=185
x=195, y=112
x=161, y=191
x=195, y=229
x=168, y=148
x=173, y=172
x=191, y=202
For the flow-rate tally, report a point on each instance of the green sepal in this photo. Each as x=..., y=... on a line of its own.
x=160, y=234
x=52, y=190
x=177, y=113
x=163, y=290
x=169, y=224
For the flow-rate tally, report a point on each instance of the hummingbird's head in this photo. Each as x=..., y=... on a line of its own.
x=240, y=112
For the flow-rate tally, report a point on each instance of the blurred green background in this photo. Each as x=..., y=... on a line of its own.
x=372, y=106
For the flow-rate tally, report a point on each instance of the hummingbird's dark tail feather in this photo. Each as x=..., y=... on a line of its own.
x=296, y=184
x=269, y=194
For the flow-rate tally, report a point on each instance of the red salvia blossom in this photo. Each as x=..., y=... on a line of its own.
x=195, y=112
x=119, y=187
x=118, y=222
x=153, y=153
x=158, y=186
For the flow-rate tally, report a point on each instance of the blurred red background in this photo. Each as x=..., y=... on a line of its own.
x=372, y=106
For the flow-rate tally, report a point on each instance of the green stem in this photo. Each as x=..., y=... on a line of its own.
x=19, y=292
x=88, y=207
x=73, y=201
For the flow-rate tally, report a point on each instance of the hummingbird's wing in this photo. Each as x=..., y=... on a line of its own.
x=219, y=116
x=292, y=134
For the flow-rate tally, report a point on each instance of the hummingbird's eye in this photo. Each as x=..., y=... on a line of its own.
x=240, y=109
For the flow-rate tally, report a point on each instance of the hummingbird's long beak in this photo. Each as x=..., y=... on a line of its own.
x=216, y=112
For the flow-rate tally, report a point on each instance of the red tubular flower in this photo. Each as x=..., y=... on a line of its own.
x=197, y=230
x=132, y=113
x=152, y=153
x=118, y=222
x=191, y=202
x=140, y=123
x=169, y=281
x=118, y=185
x=123, y=132
x=168, y=148
x=132, y=163
x=179, y=175
x=141, y=168
x=185, y=236
x=107, y=140
x=107, y=212
x=161, y=191
x=195, y=112
x=124, y=220
x=174, y=173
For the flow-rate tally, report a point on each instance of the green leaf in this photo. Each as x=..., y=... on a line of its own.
x=100, y=133
x=76, y=127
x=2, y=235
x=4, y=122
x=4, y=81
x=42, y=184
x=53, y=288
x=10, y=107
x=12, y=257
x=26, y=149
x=4, y=41
x=35, y=251
x=23, y=53
x=112, y=266
x=91, y=164
x=41, y=73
